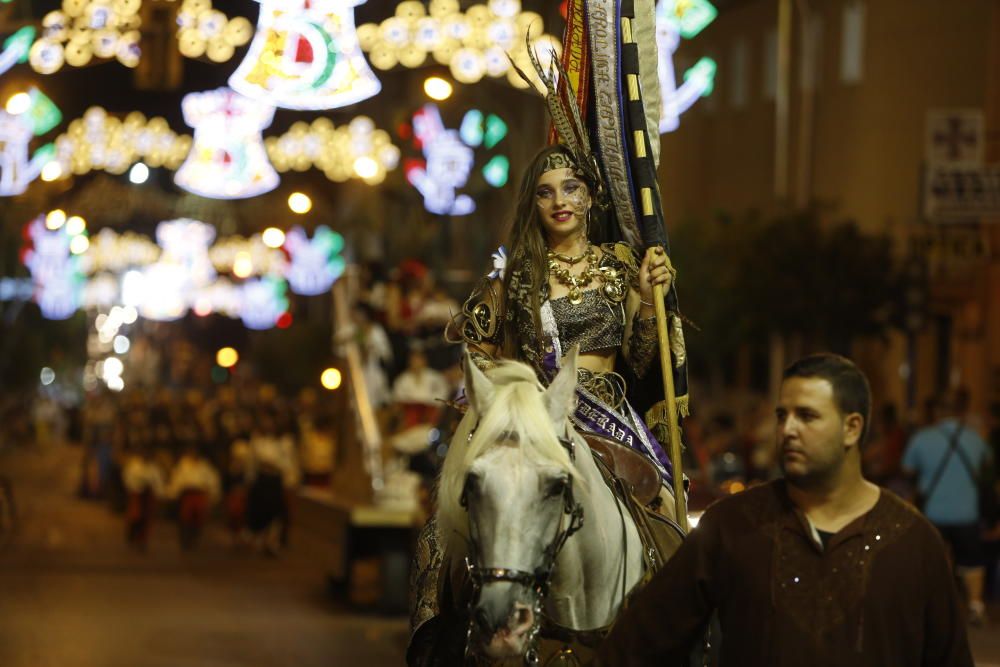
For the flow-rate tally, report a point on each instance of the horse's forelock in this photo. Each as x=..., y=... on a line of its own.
x=518, y=410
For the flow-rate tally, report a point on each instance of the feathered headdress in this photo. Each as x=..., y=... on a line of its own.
x=560, y=100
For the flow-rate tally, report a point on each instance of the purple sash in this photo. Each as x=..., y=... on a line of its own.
x=594, y=415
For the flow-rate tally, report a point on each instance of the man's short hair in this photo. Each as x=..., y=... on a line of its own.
x=851, y=392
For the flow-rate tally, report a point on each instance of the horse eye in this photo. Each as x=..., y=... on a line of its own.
x=556, y=487
x=471, y=485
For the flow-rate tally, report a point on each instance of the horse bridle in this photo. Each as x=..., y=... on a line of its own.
x=541, y=578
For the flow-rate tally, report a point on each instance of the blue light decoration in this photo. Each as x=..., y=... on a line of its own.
x=55, y=271
x=676, y=19
x=449, y=158
x=314, y=264
x=16, y=48
x=264, y=302
x=17, y=170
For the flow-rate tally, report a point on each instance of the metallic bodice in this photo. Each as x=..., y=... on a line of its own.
x=593, y=324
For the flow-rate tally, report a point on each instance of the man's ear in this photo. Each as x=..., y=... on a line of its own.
x=854, y=426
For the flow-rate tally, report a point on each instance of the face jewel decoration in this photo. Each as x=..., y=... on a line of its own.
x=676, y=19
x=227, y=158
x=305, y=55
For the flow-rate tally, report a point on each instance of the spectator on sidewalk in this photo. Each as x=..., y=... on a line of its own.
x=947, y=459
x=419, y=390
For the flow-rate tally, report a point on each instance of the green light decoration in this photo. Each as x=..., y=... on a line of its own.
x=497, y=171
x=703, y=70
x=471, y=129
x=691, y=16
x=43, y=114
x=496, y=130
x=21, y=41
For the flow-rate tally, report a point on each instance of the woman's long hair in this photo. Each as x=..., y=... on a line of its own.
x=527, y=250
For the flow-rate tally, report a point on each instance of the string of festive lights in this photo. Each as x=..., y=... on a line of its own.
x=101, y=141
x=473, y=44
x=87, y=29
x=355, y=150
x=203, y=31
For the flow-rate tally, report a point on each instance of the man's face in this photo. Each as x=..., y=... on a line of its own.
x=811, y=434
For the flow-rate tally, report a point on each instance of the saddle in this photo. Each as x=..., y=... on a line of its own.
x=640, y=476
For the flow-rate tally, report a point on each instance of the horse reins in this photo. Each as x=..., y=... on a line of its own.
x=540, y=579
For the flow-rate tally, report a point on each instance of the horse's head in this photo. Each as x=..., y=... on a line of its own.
x=510, y=495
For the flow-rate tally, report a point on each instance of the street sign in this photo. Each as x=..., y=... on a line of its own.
x=961, y=194
x=954, y=137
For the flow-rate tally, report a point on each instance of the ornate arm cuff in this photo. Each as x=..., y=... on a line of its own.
x=642, y=346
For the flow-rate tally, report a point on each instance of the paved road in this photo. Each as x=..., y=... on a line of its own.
x=72, y=594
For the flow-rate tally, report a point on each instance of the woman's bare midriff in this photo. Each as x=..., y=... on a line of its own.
x=600, y=361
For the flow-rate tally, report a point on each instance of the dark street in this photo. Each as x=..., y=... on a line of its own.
x=72, y=593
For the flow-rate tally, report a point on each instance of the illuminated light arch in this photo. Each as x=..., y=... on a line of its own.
x=335, y=150
x=17, y=169
x=305, y=55
x=85, y=30
x=473, y=44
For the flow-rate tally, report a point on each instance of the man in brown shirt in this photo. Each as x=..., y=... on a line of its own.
x=821, y=568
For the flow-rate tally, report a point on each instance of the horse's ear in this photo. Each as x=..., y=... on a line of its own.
x=478, y=387
x=560, y=397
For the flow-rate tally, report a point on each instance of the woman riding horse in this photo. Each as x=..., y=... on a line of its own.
x=557, y=289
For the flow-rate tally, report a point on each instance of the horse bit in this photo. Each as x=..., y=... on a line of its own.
x=539, y=580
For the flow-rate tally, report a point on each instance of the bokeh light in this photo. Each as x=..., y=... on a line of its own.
x=227, y=357
x=437, y=88
x=331, y=379
x=273, y=237
x=300, y=203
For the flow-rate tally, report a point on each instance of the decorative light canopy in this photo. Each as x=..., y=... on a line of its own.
x=305, y=55
x=473, y=44
x=85, y=30
x=227, y=158
x=100, y=141
x=55, y=270
x=676, y=19
x=203, y=31
x=335, y=150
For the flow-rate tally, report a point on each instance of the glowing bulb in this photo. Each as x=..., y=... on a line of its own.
x=75, y=225
x=18, y=104
x=79, y=244
x=129, y=315
x=227, y=357
x=121, y=345
x=55, y=219
x=52, y=171
x=273, y=237
x=437, y=88
x=331, y=379
x=48, y=376
x=365, y=167
x=115, y=383
x=113, y=367
x=300, y=203
x=202, y=307
x=242, y=265
x=139, y=173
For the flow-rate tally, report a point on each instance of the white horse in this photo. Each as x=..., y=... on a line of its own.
x=511, y=491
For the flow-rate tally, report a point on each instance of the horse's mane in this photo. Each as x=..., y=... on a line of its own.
x=516, y=411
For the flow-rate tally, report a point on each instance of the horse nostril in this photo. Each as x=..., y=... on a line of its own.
x=524, y=618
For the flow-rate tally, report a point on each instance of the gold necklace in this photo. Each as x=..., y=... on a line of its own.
x=575, y=283
x=568, y=259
